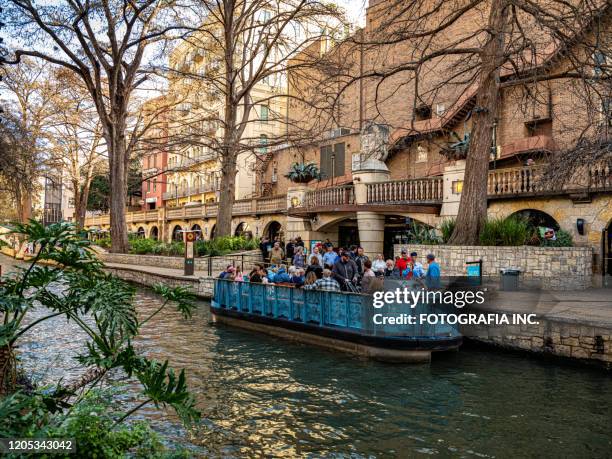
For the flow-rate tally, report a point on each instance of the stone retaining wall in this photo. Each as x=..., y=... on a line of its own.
x=581, y=341
x=201, y=264
x=200, y=286
x=563, y=268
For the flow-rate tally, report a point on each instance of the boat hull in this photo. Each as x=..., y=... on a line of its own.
x=383, y=348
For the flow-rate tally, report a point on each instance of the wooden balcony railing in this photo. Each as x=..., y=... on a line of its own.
x=426, y=190
x=336, y=196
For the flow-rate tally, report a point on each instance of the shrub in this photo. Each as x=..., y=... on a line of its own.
x=446, y=228
x=143, y=246
x=509, y=231
x=105, y=242
x=422, y=234
x=564, y=239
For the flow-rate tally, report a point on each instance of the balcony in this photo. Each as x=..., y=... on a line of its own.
x=529, y=181
x=411, y=191
x=537, y=143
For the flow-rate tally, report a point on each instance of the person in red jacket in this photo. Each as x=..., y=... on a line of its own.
x=402, y=262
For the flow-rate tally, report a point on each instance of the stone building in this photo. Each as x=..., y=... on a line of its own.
x=388, y=159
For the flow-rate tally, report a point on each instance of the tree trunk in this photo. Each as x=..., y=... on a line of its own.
x=25, y=206
x=7, y=370
x=226, y=194
x=80, y=205
x=472, y=212
x=118, y=161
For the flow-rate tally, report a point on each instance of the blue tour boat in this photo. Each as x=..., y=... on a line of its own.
x=334, y=320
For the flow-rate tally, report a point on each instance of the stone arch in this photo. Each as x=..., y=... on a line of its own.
x=177, y=233
x=213, y=231
x=198, y=229
x=154, y=233
x=241, y=228
x=537, y=217
x=273, y=229
x=140, y=232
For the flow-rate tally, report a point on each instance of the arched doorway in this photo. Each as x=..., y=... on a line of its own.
x=273, y=229
x=241, y=229
x=537, y=218
x=213, y=231
x=402, y=230
x=154, y=233
x=198, y=231
x=141, y=232
x=177, y=233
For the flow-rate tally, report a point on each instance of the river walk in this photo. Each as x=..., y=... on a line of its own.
x=572, y=324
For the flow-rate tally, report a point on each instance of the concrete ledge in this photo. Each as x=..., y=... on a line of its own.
x=385, y=355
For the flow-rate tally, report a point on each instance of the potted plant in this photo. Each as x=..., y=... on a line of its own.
x=303, y=172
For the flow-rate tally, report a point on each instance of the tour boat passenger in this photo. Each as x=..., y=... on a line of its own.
x=315, y=266
x=311, y=279
x=298, y=258
x=276, y=254
x=327, y=282
x=379, y=265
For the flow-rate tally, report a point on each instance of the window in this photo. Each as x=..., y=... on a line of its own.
x=421, y=154
x=154, y=186
x=422, y=112
x=457, y=186
x=332, y=160
x=263, y=144
x=264, y=113
x=148, y=185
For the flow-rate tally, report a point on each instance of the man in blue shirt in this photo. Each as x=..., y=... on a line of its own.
x=330, y=257
x=432, y=278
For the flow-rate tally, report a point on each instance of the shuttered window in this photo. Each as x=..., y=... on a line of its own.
x=331, y=162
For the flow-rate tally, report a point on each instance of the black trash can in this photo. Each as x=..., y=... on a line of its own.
x=510, y=279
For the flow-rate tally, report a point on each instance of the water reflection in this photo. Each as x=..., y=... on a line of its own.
x=264, y=396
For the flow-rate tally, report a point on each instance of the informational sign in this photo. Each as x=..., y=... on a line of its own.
x=190, y=237
x=474, y=270
x=315, y=243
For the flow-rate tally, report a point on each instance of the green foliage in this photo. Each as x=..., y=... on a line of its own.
x=226, y=244
x=91, y=423
x=141, y=245
x=103, y=242
x=509, y=231
x=303, y=172
x=564, y=239
x=446, y=228
x=422, y=234
x=102, y=306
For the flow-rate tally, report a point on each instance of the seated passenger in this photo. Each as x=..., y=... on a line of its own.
x=297, y=277
x=311, y=279
x=327, y=283
x=228, y=271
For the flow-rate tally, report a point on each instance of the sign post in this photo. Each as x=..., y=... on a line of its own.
x=190, y=237
x=474, y=270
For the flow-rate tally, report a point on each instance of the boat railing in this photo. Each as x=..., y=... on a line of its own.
x=339, y=311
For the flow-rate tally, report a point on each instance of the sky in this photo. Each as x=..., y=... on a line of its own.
x=355, y=10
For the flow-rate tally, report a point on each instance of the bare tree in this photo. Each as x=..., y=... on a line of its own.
x=104, y=44
x=76, y=138
x=24, y=130
x=241, y=46
x=468, y=52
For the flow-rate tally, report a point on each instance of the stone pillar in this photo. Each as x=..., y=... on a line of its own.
x=371, y=232
x=297, y=226
x=371, y=224
x=450, y=200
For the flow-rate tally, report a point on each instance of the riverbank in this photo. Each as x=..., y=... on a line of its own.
x=572, y=325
